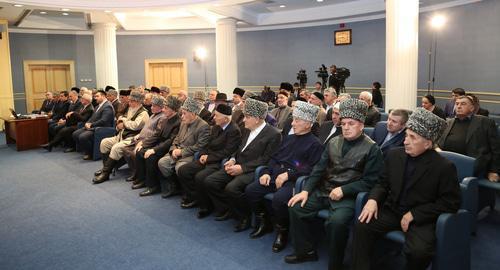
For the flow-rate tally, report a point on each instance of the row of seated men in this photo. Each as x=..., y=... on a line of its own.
x=340, y=164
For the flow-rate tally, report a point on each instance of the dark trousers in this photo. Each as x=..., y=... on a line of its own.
x=255, y=193
x=190, y=175
x=130, y=156
x=228, y=192
x=54, y=128
x=85, y=140
x=147, y=169
x=336, y=227
x=418, y=247
x=64, y=135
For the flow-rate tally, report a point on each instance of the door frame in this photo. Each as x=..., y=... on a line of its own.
x=27, y=76
x=183, y=61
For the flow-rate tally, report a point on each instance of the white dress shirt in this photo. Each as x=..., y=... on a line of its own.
x=253, y=134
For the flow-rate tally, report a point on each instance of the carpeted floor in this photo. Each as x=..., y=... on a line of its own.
x=52, y=217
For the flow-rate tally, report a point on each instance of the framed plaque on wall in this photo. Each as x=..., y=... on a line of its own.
x=342, y=37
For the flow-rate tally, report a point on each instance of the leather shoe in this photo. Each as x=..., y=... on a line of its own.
x=243, y=225
x=170, y=193
x=139, y=185
x=149, y=191
x=224, y=216
x=130, y=179
x=296, y=258
x=98, y=172
x=69, y=150
x=189, y=204
x=47, y=147
x=87, y=157
x=203, y=213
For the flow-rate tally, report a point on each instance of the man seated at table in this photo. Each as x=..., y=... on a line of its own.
x=415, y=187
x=349, y=165
x=127, y=126
x=103, y=116
x=225, y=188
x=393, y=133
x=296, y=156
x=47, y=105
x=225, y=138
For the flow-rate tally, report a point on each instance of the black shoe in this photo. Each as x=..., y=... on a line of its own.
x=130, y=178
x=87, y=157
x=172, y=192
x=262, y=227
x=203, y=213
x=69, y=150
x=189, y=204
x=98, y=172
x=106, y=171
x=47, y=147
x=296, y=258
x=139, y=185
x=103, y=177
x=224, y=216
x=243, y=225
x=149, y=191
x=281, y=238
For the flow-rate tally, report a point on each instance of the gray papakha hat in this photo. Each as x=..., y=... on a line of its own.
x=136, y=96
x=199, y=95
x=426, y=124
x=353, y=108
x=305, y=111
x=158, y=101
x=173, y=103
x=255, y=108
x=191, y=105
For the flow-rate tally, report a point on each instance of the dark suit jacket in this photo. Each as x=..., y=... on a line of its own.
x=324, y=131
x=74, y=107
x=288, y=125
x=448, y=108
x=60, y=109
x=207, y=116
x=116, y=106
x=222, y=143
x=432, y=190
x=439, y=112
x=260, y=150
x=379, y=134
x=104, y=117
x=47, y=106
x=82, y=115
x=481, y=143
x=162, y=140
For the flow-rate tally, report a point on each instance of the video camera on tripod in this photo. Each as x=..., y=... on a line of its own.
x=302, y=77
x=323, y=74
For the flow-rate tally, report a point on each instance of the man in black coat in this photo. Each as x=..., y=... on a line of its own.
x=103, y=117
x=225, y=138
x=392, y=133
x=331, y=129
x=415, y=187
x=225, y=188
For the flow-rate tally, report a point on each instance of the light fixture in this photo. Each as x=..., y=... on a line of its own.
x=18, y=5
x=65, y=14
x=43, y=12
x=319, y=1
x=438, y=21
x=282, y=6
x=108, y=11
x=200, y=53
x=64, y=9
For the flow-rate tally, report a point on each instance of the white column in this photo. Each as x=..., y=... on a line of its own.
x=401, y=54
x=106, y=63
x=227, y=61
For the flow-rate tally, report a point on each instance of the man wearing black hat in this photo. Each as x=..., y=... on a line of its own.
x=286, y=86
x=123, y=105
x=237, y=99
x=103, y=117
x=225, y=138
x=317, y=99
x=350, y=164
x=415, y=187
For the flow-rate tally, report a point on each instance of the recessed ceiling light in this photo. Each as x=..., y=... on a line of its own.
x=65, y=14
x=108, y=11
x=43, y=12
x=319, y=1
x=282, y=6
x=65, y=9
x=18, y=5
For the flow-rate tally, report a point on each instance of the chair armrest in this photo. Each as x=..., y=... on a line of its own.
x=258, y=172
x=469, y=190
x=299, y=184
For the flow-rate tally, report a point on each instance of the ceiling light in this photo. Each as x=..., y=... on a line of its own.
x=200, y=53
x=64, y=9
x=43, y=12
x=65, y=14
x=438, y=21
x=319, y=1
x=282, y=6
x=18, y=5
x=108, y=11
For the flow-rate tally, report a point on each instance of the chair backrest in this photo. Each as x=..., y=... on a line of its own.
x=384, y=116
x=368, y=131
x=464, y=164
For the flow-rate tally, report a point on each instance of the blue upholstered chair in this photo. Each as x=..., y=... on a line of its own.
x=384, y=116
x=99, y=134
x=489, y=199
x=368, y=131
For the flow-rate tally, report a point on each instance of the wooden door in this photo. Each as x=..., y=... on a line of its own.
x=43, y=76
x=166, y=72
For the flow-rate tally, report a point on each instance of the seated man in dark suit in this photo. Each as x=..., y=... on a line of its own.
x=296, y=156
x=391, y=134
x=155, y=147
x=373, y=115
x=331, y=129
x=349, y=165
x=415, y=187
x=47, y=104
x=103, y=117
x=74, y=106
x=112, y=97
x=225, y=187
x=60, y=108
x=72, y=119
x=225, y=138
x=193, y=136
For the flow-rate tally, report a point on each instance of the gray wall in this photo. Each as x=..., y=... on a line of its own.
x=468, y=53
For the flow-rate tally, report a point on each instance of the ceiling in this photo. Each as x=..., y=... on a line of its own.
x=176, y=15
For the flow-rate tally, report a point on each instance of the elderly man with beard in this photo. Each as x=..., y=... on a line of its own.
x=349, y=165
x=415, y=187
